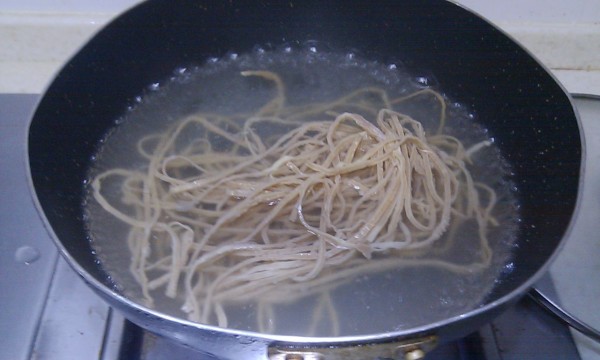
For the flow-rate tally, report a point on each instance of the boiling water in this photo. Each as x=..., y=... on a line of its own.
x=371, y=303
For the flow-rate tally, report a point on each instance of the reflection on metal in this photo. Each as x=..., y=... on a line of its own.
x=416, y=349
x=408, y=349
x=564, y=315
x=416, y=354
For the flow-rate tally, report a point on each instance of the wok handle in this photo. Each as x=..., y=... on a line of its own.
x=563, y=315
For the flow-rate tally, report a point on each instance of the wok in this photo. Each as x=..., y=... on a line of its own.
x=511, y=94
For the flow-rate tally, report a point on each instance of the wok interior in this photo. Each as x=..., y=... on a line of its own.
x=525, y=111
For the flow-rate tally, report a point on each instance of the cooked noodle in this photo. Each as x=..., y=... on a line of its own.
x=239, y=216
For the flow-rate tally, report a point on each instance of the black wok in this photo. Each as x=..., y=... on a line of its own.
x=511, y=94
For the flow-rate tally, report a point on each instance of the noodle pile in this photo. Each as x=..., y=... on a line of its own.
x=292, y=201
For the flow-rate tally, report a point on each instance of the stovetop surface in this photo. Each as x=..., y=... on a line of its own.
x=49, y=313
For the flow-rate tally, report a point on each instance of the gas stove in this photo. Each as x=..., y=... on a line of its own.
x=48, y=312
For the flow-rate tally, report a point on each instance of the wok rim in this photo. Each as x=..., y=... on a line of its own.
x=350, y=340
